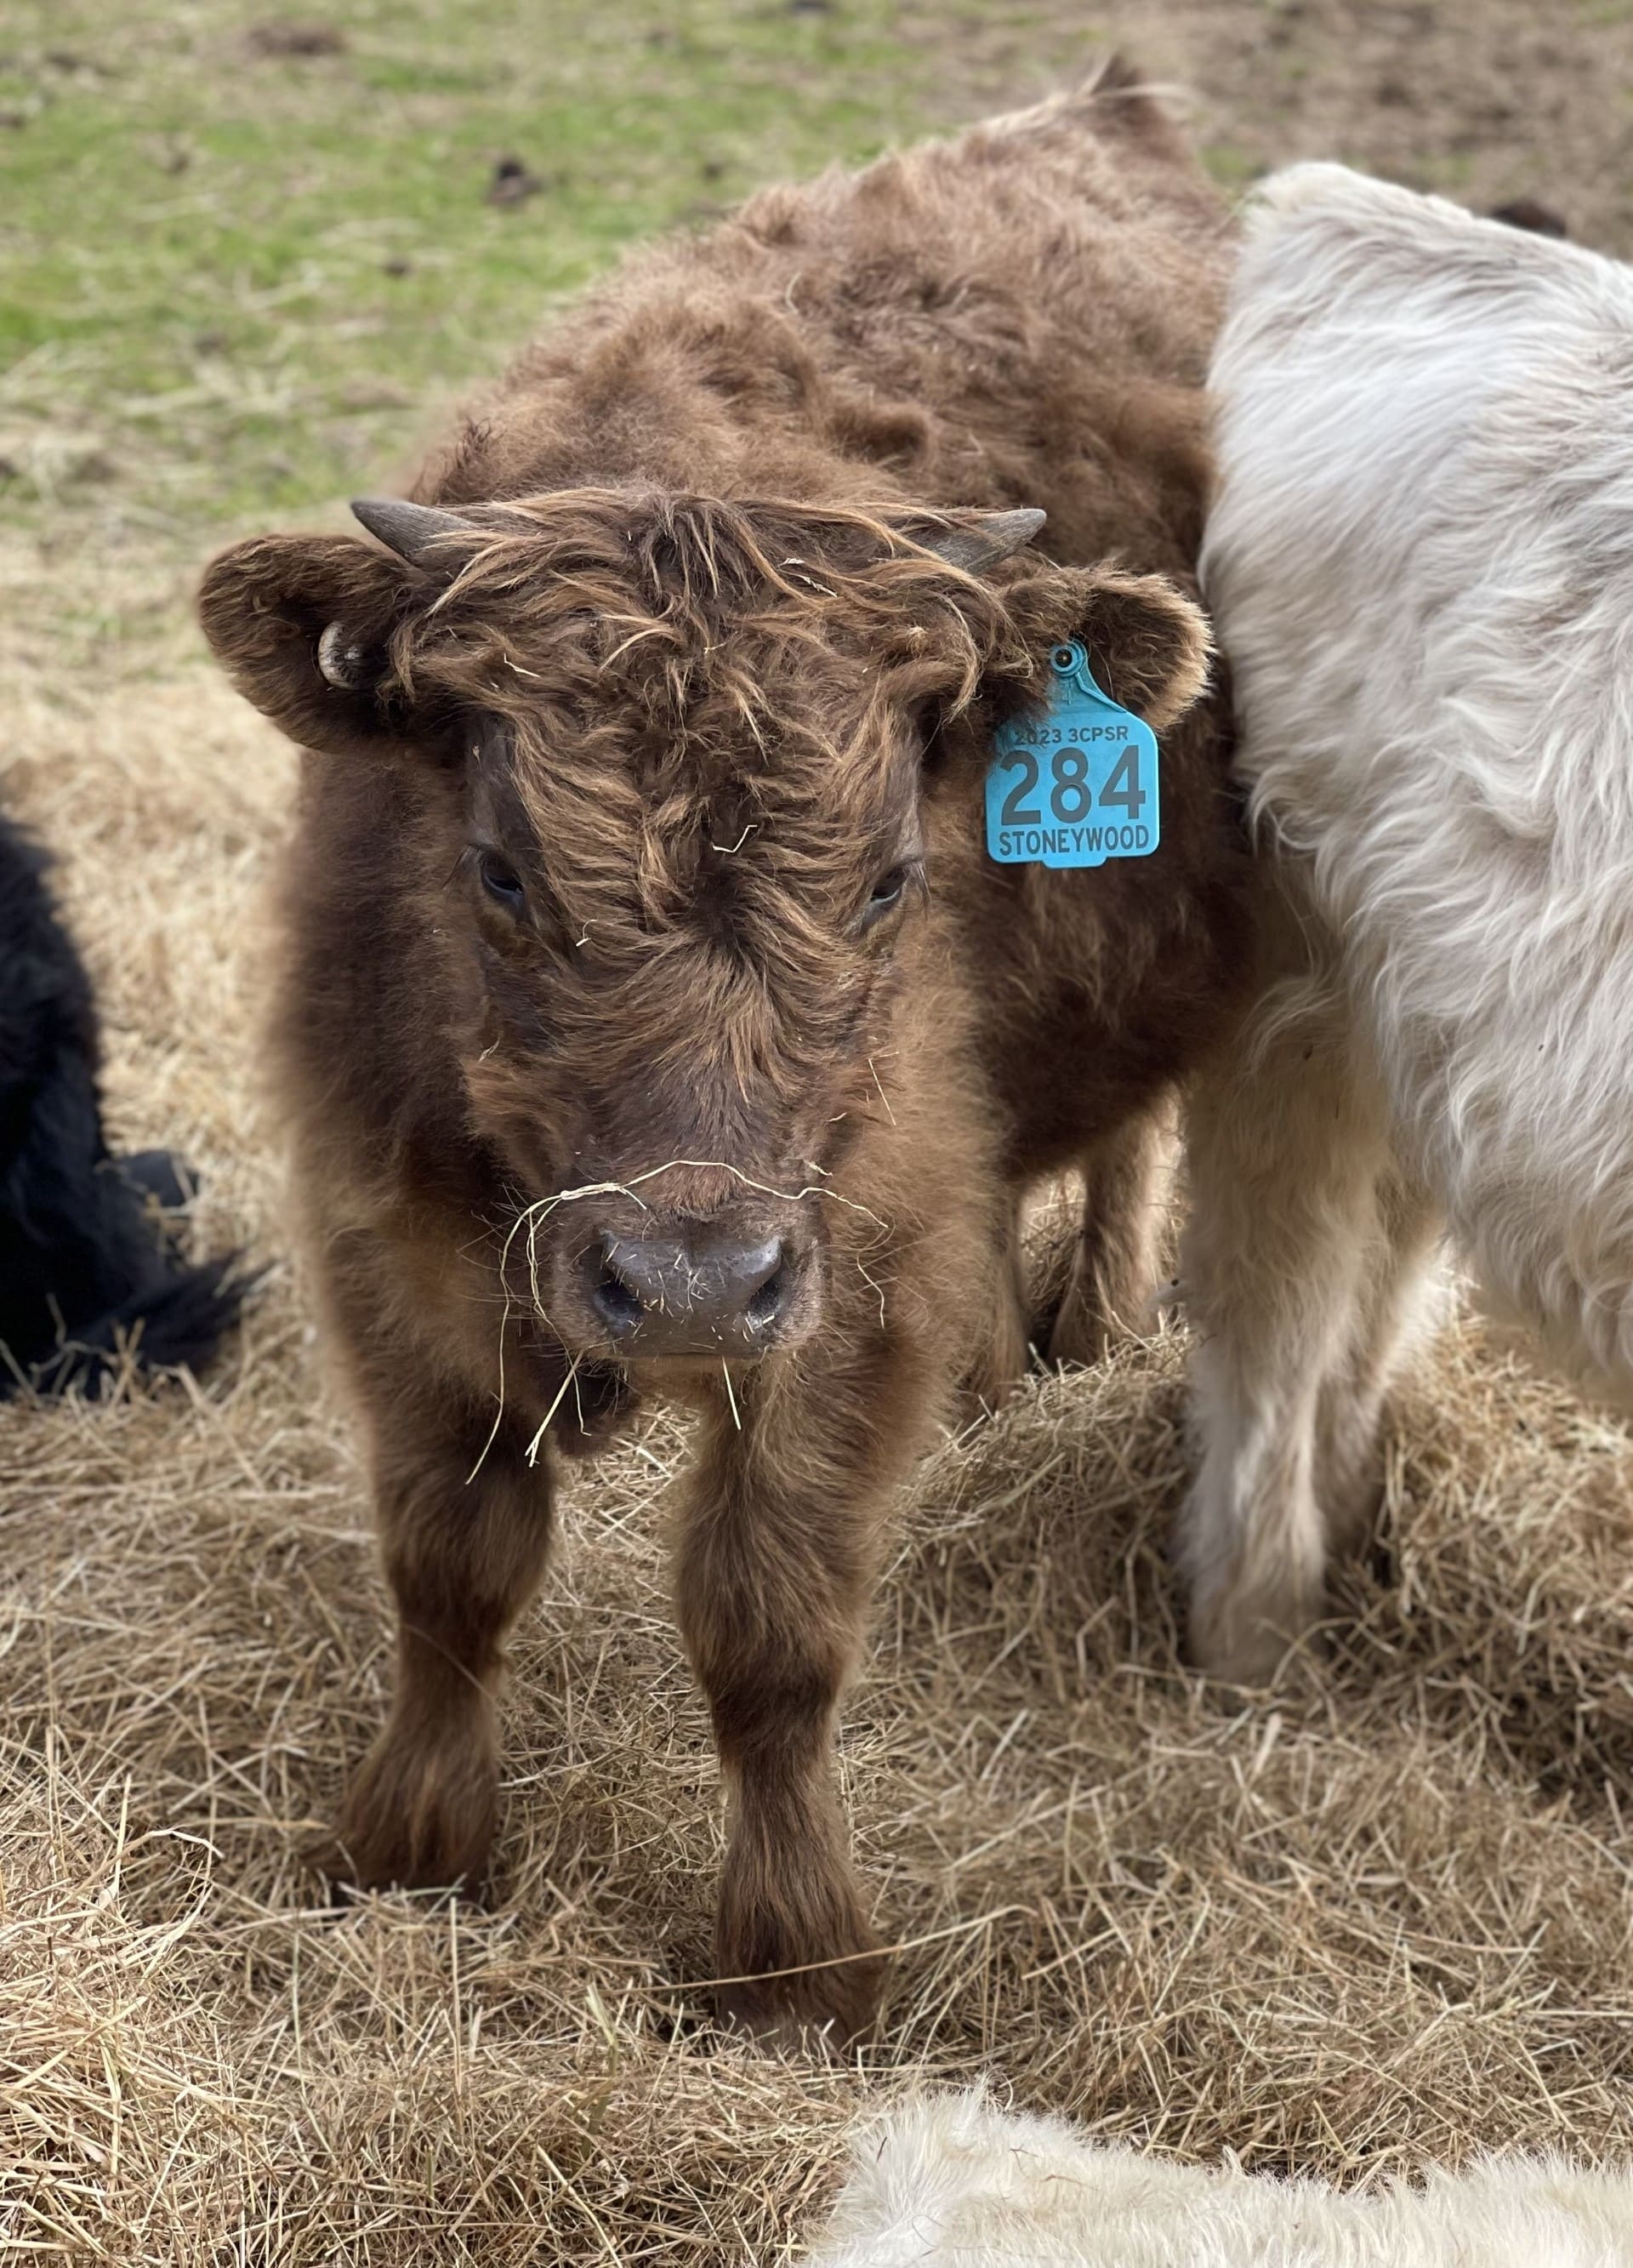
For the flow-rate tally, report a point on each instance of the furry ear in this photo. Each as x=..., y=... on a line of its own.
x=1148, y=645
x=302, y=624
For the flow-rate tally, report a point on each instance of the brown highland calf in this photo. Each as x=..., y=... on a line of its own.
x=653, y=1019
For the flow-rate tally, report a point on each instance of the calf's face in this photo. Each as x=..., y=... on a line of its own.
x=672, y=755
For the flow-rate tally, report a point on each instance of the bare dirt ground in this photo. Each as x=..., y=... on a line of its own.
x=1383, y=1918
x=1483, y=100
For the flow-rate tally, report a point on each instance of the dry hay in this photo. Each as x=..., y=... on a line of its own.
x=1382, y=1921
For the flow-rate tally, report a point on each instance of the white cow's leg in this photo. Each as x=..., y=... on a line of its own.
x=1402, y=1296
x=1287, y=1147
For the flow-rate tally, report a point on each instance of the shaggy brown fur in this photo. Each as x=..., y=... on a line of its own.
x=639, y=894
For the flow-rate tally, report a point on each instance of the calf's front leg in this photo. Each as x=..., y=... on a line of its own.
x=464, y=1533
x=779, y=1546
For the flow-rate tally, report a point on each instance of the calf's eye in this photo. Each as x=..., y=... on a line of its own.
x=887, y=893
x=501, y=880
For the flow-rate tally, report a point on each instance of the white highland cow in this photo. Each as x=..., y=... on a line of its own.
x=1420, y=567
x=950, y=2182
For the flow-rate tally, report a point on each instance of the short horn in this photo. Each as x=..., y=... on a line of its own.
x=975, y=547
x=410, y=530
x=342, y=660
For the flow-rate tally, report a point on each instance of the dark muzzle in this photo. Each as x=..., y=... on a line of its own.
x=702, y=1294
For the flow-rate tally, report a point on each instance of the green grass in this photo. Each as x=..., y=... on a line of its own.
x=234, y=285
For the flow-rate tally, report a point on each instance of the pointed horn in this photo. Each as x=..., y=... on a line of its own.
x=410, y=530
x=992, y=537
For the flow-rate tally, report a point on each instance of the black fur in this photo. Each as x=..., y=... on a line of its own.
x=87, y=1266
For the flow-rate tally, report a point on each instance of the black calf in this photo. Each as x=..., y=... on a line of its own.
x=87, y=1266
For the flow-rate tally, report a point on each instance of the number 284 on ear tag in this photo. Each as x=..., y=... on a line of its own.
x=1078, y=784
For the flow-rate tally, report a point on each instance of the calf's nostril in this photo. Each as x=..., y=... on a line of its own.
x=616, y=1300
x=745, y=1273
x=765, y=1305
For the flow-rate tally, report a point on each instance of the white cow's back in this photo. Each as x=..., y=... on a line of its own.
x=1421, y=565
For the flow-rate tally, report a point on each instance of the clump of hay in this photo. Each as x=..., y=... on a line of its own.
x=1382, y=1920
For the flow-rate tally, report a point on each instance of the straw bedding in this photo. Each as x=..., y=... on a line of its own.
x=1381, y=1920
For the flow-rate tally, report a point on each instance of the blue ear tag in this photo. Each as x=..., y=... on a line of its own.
x=1077, y=785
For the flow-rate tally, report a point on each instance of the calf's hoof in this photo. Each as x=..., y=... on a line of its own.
x=1238, y=1643
x=1091, y=1321
x=814, y=1980
x=417, y=1816
x=817, y=2011
x=1079, y=1338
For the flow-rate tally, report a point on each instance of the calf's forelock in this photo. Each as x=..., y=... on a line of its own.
x=695, y=749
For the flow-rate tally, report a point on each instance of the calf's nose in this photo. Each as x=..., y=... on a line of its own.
x=672, y=1295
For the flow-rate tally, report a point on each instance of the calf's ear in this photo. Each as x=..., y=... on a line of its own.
x=1148, y=645
x=302, y=624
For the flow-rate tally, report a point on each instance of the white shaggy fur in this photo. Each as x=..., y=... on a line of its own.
x=1420, y=562
x=950, y=2183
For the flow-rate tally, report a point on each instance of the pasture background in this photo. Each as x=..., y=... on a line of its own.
x=1384, y=1919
